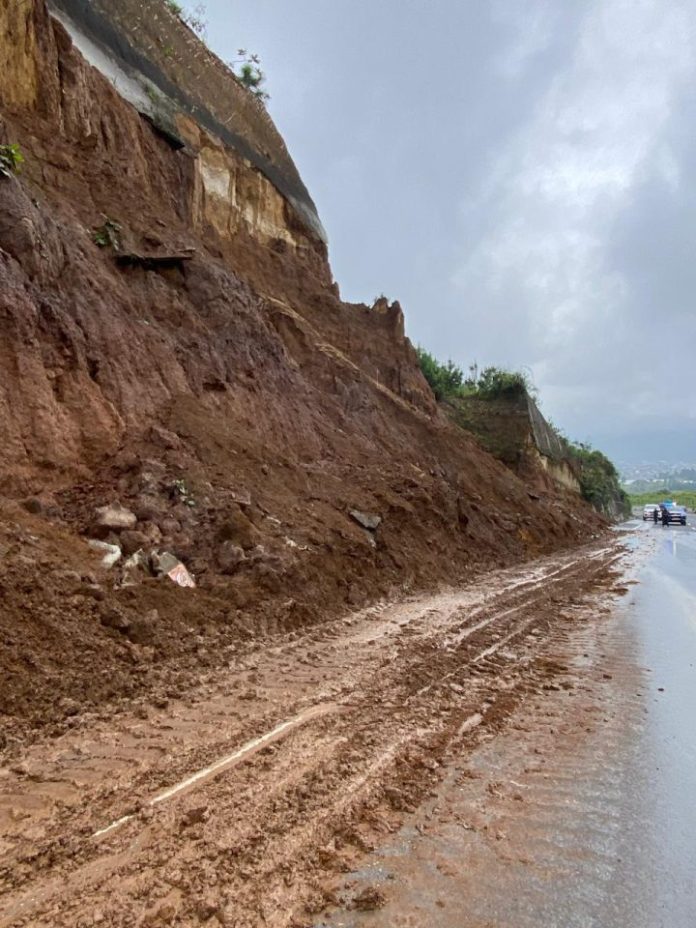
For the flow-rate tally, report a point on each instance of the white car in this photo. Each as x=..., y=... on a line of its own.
x=649, y=510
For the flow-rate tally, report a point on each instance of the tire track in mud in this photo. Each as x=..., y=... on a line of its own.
x=526, y=829
x=297, y=809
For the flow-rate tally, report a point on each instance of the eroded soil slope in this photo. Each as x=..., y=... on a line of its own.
x=211, y=381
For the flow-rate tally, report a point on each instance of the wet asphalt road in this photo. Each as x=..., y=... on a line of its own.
x=655, y=882
x=603, y=830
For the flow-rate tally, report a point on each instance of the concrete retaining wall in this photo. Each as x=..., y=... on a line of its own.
x=513, y=429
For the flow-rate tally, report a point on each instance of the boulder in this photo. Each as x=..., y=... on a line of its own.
x=132, y=540
x=34, y=505
x=167, y=565
x=136, y=568
x=163, y=563
x=169, y=527
x=94, y=591
x=115, y=517
x=45, y=507
x=369, y=520
x=111, y=554
x=268, y=577
x=164, y=438
x=149, y=508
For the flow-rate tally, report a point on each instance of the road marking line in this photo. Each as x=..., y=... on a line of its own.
x=228, y=761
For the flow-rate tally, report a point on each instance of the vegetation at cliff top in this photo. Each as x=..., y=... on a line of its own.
x=247, y=70
x=194, y=19
x=448, y=381
x=246, y=67
x=597, y=476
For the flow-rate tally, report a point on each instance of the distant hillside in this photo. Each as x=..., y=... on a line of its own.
x=683, y=498
x=678, y=480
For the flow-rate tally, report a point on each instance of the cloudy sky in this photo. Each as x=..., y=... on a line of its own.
x=520, y=174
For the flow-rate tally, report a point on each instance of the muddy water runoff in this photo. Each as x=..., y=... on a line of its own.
x=583, y=813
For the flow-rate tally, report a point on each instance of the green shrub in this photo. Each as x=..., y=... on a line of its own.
x=494, y=382
x=11, y=160
x=599, y=479
x=597, y=476
x=446, y=380
x=247, y=69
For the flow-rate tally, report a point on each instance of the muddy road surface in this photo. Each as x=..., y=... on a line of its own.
x=581, y=812
x=411, y=765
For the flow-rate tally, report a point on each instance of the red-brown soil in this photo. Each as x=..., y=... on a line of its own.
x=231, y=401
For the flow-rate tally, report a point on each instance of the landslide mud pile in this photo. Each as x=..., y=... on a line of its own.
x=192, y=365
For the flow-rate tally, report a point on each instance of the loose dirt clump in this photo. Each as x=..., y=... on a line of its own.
x=368, y=899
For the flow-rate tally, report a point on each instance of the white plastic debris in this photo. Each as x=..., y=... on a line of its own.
x=166, y=565
x=181, y=576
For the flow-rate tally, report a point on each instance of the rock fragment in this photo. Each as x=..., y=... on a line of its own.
x=115, y=517
x=230, y=557
x=239, y=529
x=111, y=553
x=132, y=541
x=167, y=565
x=164, y=438
x=368, y=520
x=369, y=899
x=113, y=618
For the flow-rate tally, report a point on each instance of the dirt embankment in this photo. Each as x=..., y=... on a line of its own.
x=204, y=374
